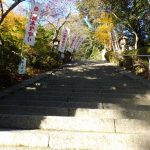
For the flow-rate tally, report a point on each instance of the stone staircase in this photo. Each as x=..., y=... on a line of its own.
x=85, y=105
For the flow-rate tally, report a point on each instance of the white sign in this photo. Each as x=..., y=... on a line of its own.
x=22, y=66
x=64, y=38
x=32, y=24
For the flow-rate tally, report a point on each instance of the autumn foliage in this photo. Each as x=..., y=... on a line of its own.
x=103, y=31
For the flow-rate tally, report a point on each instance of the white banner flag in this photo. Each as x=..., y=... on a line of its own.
x=64, y=38
x=72, y=43
x=78, y=44
x=22, y=66
x=75, y=42
x=32, y=24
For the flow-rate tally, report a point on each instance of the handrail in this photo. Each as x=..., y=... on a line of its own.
x=138, y=55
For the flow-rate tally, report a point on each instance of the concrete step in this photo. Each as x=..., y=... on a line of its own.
x=95, y=84
x=81, y=94
x=99, y=141
x=125, y=95
x=62, y=94
x=92, y=99
x=28, y=138
x=37, y=140
x=64, y=104
x=82, y=124
x=126, y=91
x=120, y=106
x=64, y=98
x=85, y=91
x=33, y=110
x=76, y=112
x=23, y=148
x=59, y=104
x=84, y=88
x=127, y=100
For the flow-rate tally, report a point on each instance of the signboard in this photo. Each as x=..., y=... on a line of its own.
x=64, y=38
x=22, y=66
x=32, y=24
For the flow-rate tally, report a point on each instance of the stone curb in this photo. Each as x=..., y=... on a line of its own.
x=25, y=83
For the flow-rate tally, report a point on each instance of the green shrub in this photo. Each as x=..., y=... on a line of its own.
x=111, y=56
x=137, y=64
x=96, y=55
x=144, y=50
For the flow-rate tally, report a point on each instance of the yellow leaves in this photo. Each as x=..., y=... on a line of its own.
x=102, y=34
x=105, y=26
x=13, y=28
x=14, y=22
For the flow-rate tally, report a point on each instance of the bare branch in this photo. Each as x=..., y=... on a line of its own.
x=4, y=14
x=1, y=8
x=64, y=21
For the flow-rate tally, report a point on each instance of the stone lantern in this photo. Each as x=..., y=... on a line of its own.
x=122, y=43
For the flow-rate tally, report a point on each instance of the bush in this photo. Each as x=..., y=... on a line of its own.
x=96, y=55
x=135, y=63
x=111, y=56
x=144, y=50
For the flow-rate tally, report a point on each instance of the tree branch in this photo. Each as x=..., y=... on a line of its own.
x=128, y=24
x=4, y=14
x=1, y=9
x=64, y=21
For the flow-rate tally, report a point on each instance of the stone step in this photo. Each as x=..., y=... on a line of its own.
x=23, y=148
x=85, y=91
x=84, y=87
x=62, y=93
x=59, y=104
x=68, y=98
x=126, y=95
x=64, y=104
x=36, y=140
x=80, y=95
x=76, y=112
x=33, y=110
x=61, y=140
x=97, y=85
x=120, y=106
x=64, y=98
x=82, y=124
x=28, y=138
x=126, y=91
x=56, y=123
x=127, y=100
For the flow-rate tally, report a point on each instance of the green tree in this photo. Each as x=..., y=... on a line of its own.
x=125, y=12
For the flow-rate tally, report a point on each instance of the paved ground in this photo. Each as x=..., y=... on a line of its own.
x=83, y=99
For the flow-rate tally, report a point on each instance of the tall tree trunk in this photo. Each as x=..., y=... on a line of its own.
x=136, y=40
